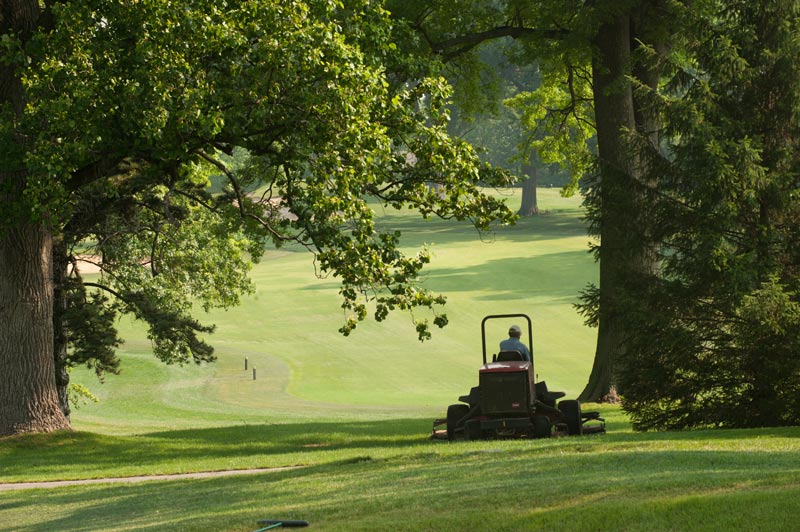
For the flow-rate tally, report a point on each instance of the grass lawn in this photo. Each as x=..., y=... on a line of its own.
x=384, y=475
x=354, y=414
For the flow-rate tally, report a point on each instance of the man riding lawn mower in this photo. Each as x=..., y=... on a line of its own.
x=508, y=404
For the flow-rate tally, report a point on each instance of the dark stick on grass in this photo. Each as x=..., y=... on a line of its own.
x=273, y=523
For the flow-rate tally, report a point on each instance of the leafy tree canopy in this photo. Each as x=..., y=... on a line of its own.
x=127, y=108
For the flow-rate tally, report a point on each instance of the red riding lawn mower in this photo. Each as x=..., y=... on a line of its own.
x=507, y=403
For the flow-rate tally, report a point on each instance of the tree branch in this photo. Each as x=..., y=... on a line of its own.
x=240, y=200
x=98, y=170
x=453, y=47
x=109, y=290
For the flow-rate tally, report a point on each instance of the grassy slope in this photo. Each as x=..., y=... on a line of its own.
x=355, y=414
x=306, y=369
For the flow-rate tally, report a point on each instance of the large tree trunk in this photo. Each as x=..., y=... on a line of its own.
x=614, y=112
x=530, y=203
x=617, y=109
x=28, y=398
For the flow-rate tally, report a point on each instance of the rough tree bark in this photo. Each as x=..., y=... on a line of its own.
x=28, y=398
x=617, y=108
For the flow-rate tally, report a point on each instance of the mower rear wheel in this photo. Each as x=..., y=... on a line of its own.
x=571, y=410
x=454, y=414
x=542, y=428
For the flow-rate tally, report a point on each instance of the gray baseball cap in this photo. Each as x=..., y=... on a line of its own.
x=514, y=329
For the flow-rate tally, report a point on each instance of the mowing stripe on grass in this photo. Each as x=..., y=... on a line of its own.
x=144, y=478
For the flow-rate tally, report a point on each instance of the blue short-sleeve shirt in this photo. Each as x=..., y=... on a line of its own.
x=514, y=344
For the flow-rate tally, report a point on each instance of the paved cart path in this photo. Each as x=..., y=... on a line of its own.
x=10, y=486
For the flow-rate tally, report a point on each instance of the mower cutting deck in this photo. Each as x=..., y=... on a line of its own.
x=508, y=404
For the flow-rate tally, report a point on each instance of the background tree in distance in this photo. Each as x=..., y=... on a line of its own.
x=486, y=81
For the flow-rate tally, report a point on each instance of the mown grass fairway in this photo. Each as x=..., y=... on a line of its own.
x=354, y=414
x=305, y=369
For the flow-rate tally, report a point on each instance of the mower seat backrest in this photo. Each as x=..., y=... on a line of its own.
x=510, y=356
x=546, y=396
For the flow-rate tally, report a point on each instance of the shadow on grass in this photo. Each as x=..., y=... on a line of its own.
x=70, y=455
x=556, y=276
x=415, y=230
x=76, y=455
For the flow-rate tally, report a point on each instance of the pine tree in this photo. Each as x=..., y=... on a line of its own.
x=714, y=334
